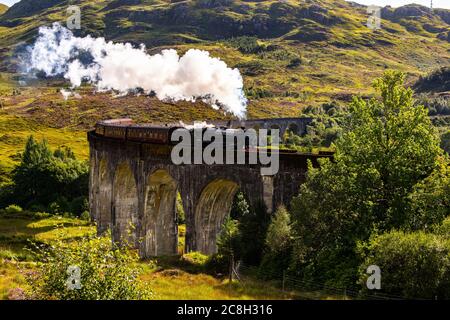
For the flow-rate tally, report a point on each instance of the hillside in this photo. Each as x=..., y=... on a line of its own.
x=3, y=8
x=292, y=54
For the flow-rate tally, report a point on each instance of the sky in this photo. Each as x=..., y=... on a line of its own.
x=393, y=3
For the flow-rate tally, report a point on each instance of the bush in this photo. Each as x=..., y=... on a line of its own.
x=41, y=215
x=13, y=209
x=246, y=44
x=443, y=229
x=295, y=62
x=79, y=205
x=413, y=265
x=85, y=216
x=108, y=272
x=196, y=258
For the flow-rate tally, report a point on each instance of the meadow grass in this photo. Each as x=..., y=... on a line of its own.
x=176, y=277
x=15, y=130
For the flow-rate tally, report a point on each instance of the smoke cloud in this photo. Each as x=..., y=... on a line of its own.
x=122, y=67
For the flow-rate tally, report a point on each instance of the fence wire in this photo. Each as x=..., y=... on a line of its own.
x=302, y=289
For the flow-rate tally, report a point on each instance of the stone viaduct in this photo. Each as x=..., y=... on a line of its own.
x=134, y=185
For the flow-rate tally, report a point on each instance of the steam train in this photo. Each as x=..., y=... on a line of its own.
x=125, y=129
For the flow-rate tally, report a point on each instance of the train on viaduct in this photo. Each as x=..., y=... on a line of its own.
x=133, y=184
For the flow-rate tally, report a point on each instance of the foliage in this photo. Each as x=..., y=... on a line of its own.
x=228, y=239
x=430, y=199
x=279, y=234
x=196, y=258
x=445, y=142
x=246, y=44
x=108, y=271
x=43, y=178
x=252, y=68
x=13, y=208
x=278, y=243
x=388, y=146
x=413, y=265
x=323, y=130
x=253, y=224
x=85, y=216
x=443, y=229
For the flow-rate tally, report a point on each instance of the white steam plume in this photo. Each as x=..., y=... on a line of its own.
x=120, y=67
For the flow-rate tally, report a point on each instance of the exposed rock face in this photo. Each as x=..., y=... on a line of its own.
x=137, y=183
x=407, y=11
x=215, y=19
x=444, y=14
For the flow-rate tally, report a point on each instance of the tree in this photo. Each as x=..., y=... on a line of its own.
x=445, y=142
x=253, y=222
x=228, y=244
x=228, y=239
x=278, y=243
x=387, y=147
x=430, y=199
x=43, y=177
x=279, y=233
x=390, y=145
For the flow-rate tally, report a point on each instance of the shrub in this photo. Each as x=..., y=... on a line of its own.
x=196, y=259
x=13, y=209
x=252, y=68
x=85, y=216
x=79, y=205
x=413, y=265
x=54, y=208
x=295, y=62
x=41, y=215
x=443, y=229
x=246, y=44
x=107, y=271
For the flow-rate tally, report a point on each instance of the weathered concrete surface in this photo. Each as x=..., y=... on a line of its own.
x=136, y=183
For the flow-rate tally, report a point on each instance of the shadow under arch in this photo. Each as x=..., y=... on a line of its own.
x=213, y=205
x=293, y=128
x=160, y=229
x=125, y=204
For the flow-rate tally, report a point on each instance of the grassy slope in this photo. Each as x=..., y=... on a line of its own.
x=15, y=235
x=14, y=131
x=3, y=8
x=168, y=279
x=341, y=64
x=332, y=69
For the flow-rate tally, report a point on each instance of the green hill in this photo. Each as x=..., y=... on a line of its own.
x=292, y=54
